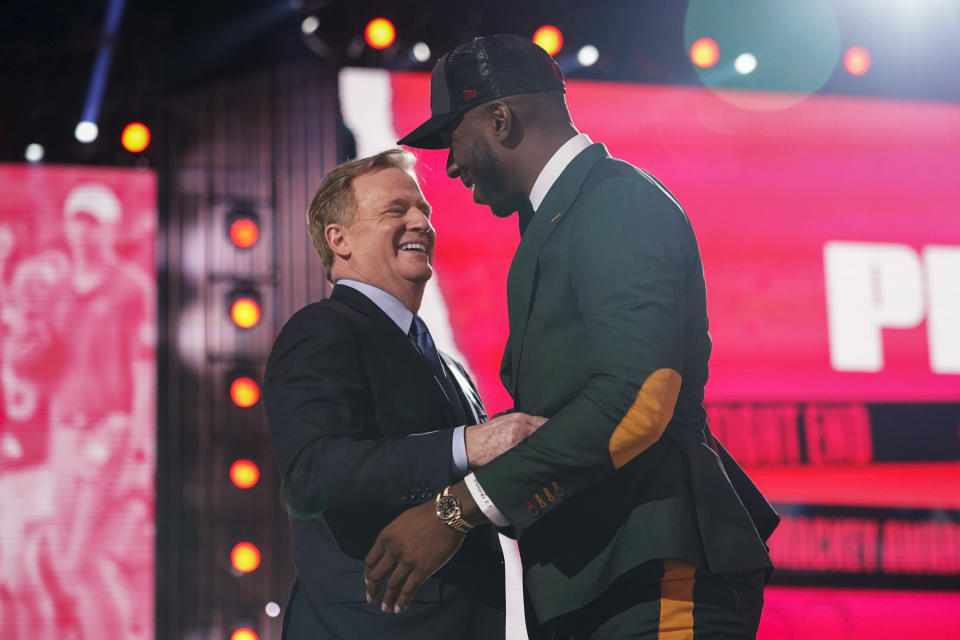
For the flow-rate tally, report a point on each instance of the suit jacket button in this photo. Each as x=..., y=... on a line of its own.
x=426, y=494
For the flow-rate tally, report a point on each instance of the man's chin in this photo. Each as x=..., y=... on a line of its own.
x=421, y=276
x=502, y=209
x=499, y=209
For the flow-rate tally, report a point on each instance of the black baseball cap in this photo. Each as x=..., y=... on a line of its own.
x=479, y=71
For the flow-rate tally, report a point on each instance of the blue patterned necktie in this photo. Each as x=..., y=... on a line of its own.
x=421, y=337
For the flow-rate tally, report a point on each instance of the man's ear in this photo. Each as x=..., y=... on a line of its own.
x=501, y=118
x=334, y=234
x=507, y=128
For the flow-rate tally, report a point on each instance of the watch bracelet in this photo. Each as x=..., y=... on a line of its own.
x=458, y=524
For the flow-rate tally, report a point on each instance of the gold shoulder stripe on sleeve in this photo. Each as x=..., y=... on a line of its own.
x=647, y=418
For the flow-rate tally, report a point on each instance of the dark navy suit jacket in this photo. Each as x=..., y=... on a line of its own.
x=362, y=431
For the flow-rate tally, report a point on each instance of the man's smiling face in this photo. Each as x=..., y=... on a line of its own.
x=472, y=159
x=390, y=237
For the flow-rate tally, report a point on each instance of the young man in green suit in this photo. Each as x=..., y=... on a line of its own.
x=632, y=520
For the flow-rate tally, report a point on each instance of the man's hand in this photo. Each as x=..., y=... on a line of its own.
x=407, y=552
x=498, y=435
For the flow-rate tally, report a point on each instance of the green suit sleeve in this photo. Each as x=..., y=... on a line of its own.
x=629, y=246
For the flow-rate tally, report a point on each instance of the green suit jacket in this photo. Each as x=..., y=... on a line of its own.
x=608, y=340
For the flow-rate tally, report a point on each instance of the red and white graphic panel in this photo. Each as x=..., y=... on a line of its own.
x=78, y=382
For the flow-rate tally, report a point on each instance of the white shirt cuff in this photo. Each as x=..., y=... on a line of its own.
x=460, y=449
x=484, y=502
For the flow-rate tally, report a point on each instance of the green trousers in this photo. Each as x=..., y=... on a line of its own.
x=667, y=600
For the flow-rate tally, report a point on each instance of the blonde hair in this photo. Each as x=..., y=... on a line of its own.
x=334, y=201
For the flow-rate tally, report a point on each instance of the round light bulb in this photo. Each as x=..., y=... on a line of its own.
x=310, y=25
x=745, y=63
x=588, y=55
x=34, y=152
x=86, y=131
x=421, y=52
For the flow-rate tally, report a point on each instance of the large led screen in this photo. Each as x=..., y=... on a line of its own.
x=78, y=381
x=830, y=234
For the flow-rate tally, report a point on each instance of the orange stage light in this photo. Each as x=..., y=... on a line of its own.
x=243, y=633
x=244, y=232
x=245, y=312
x=245, y=557
x=244, y=473
x=135, y=137
x=380, y=33
x=704, y=53
x=244, y=392
x=549, y=38
x=857, y=61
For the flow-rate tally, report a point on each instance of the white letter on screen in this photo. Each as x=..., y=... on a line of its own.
x=943, y=307
x=870, y=286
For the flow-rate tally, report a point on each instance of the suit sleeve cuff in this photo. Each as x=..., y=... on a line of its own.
x=484, y=502
x=460, y=450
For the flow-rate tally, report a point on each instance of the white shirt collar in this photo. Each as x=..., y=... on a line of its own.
x=555, y=166
x=389, y=304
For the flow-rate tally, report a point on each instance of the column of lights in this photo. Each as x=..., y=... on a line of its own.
x=245, y=311
x=243, y=301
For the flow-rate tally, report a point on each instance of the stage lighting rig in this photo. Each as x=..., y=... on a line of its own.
x=244, y=306
x=549, y=38
x=705, y=52
x=309, y=25
x=135, y=137
x=380, y=33
x=244, y=391
x=420, y=52
x=244, y=473
x=244, y=633
x=86, y=131
x=857, y=61
x=34, y=153
x=243, y=226
x=588, y=55
x=245, y=557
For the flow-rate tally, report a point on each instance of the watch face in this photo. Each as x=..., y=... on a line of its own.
x=447, y=507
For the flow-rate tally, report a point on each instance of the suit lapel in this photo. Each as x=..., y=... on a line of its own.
x=521, y=280
x=412, y=360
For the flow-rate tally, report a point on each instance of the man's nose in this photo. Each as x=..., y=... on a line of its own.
x=453, y=169
x=418, y=221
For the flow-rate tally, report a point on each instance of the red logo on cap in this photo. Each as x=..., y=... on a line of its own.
x=469, y=94
x=557, y=72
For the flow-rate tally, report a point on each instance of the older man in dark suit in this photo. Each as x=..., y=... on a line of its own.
x=633, y=522
x=368, y=418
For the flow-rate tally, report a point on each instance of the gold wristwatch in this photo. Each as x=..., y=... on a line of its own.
x=450, y=512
